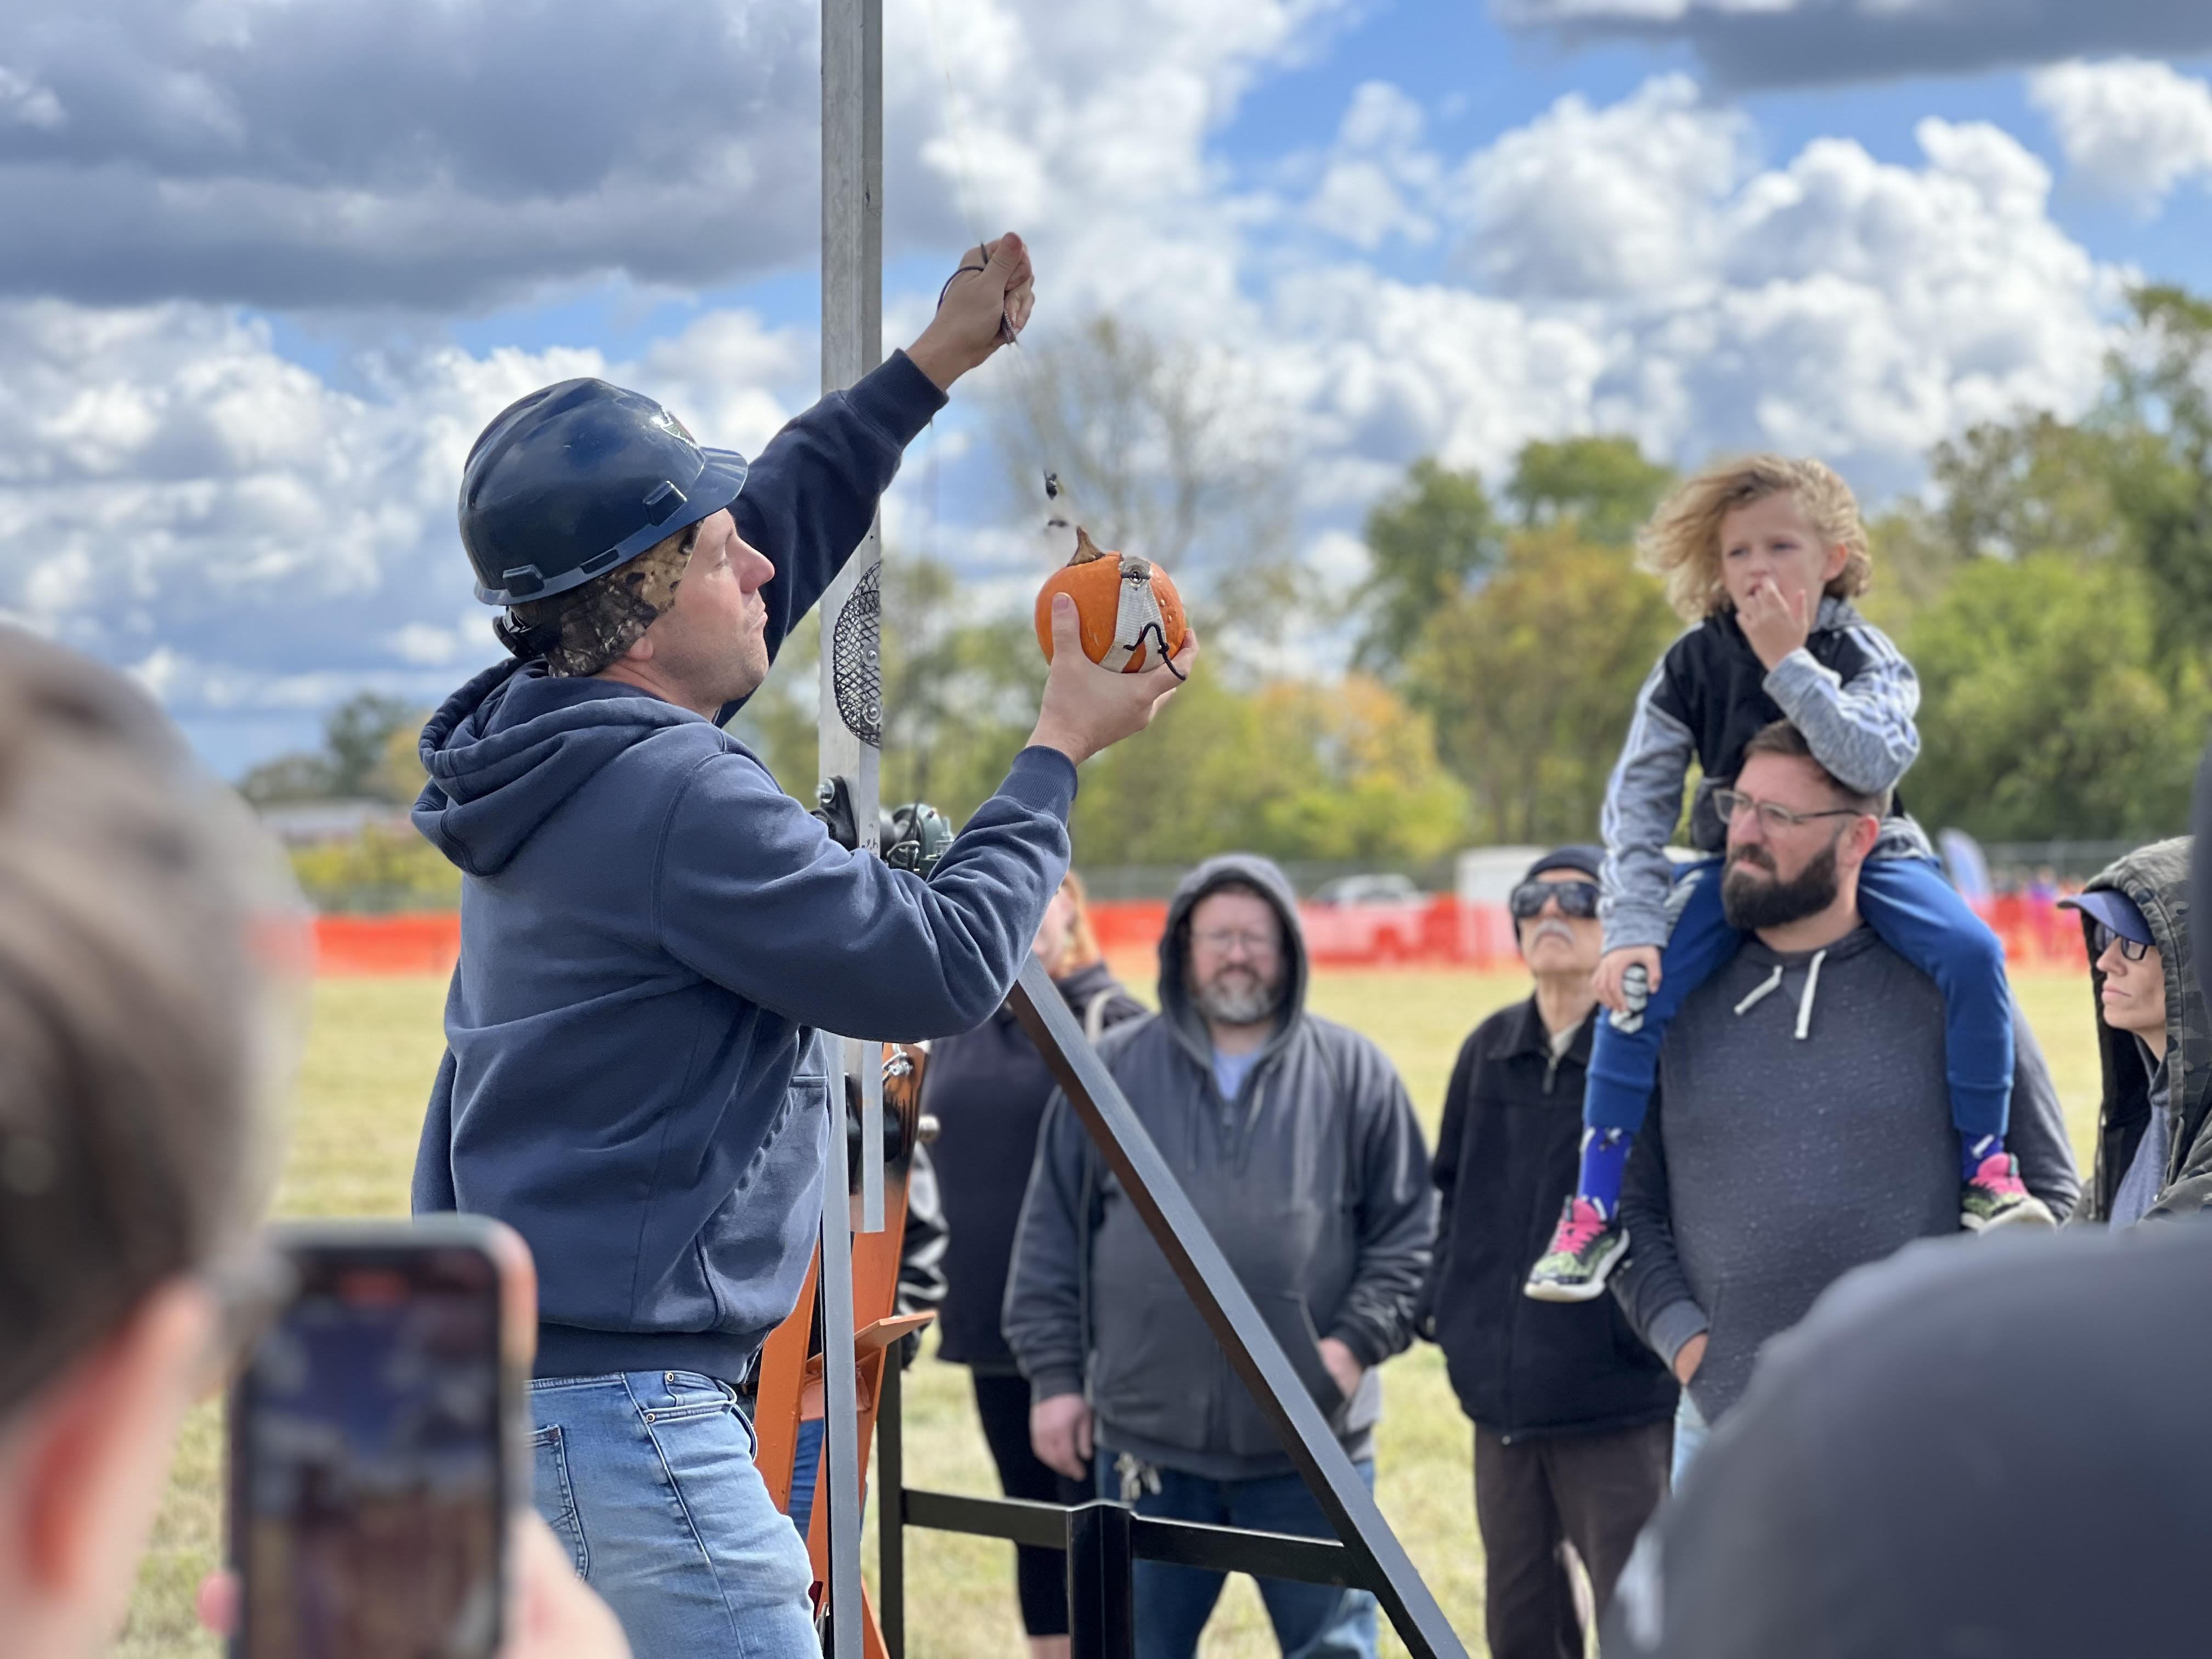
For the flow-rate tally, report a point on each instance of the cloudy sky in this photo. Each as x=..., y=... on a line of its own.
x=266, y=266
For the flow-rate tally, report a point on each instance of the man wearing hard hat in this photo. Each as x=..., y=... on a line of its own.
x=654, y=935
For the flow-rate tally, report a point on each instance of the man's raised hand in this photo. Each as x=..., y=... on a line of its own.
x=985, y=303
x=1086, y=707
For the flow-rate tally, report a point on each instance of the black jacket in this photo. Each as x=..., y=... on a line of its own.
x=988, y=1090
x=1506, y=1157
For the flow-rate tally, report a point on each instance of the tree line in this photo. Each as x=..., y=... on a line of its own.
x=2055, y=594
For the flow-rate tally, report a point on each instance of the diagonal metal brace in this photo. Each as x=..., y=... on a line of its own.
x=1380, y=1561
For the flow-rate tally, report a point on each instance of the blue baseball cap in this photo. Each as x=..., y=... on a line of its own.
x=2116, y=910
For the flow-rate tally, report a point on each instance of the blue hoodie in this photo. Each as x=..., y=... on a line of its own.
x=653, y=936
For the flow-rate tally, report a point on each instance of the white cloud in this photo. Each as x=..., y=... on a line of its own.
x=1585, y=204
x=1643, y=277
x=175, y=495
x=2131, y=129
x=1378, y=178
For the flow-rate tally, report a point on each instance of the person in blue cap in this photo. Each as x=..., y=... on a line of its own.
x=655, y=936
x=2154, y=1145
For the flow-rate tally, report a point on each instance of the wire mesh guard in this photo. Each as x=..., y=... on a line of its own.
x=856, y=669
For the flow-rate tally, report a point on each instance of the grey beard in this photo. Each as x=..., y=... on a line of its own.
x=1243, y=1001
x=1749, y=905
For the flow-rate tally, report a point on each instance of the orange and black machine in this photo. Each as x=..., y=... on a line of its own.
x=795, y=1378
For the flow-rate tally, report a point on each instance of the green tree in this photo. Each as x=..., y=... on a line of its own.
x=1605, y=487
x=1532, y=679
x=2162, y=391
x=1426, y=541
x=1293, y=769
x=2035, y=485
x=360, y=737
x=2045, y=710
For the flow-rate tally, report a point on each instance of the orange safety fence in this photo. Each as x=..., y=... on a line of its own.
x=419, y=942
x=1434, y=931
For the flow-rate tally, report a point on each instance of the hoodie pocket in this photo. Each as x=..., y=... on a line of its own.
x=1251, y=1434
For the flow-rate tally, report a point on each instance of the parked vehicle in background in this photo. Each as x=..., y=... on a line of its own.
x=1372, y=918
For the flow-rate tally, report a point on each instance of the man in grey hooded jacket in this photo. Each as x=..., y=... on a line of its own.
x=1296, y=1140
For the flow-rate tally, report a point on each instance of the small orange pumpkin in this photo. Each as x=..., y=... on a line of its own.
x=1131, y=615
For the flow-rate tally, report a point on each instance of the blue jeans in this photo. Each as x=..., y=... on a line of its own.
x=647, y=1478
x=1915, y=912
x=1311, y=1621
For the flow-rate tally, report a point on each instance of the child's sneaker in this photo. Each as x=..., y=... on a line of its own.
x=1993, y=1197
x=1585, y=1247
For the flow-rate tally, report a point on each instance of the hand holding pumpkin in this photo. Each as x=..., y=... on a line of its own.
x=1086, y=707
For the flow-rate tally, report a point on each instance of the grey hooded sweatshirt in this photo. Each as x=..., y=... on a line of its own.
x=1803, y=1128
x=1313, y=1180
x=2155, y=879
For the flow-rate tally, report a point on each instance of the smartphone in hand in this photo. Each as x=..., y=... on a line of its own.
x=377, y=1443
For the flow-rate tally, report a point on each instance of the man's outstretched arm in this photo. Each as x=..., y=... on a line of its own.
x=813, y=490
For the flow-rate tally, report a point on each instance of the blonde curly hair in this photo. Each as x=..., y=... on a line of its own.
x=1682, y=543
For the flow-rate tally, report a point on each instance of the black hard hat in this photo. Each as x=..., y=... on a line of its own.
x=577, y=478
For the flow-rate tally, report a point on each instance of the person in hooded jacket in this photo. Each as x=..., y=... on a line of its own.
x=2154, y=1154
x=988, y=1090
x=654, y=937
x=1294, y=1138
x=1573, y=1416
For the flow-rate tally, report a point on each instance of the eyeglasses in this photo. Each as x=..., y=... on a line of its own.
x=1730, y=802
x=1223, y=940
x=2103, y=938
x=1578, y=899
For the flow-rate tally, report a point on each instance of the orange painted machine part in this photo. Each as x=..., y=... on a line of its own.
x=790, y=1385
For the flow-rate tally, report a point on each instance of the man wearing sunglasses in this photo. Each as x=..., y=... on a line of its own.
x=2154, y=1143
x=1803, y=1122
x=1573, y=1416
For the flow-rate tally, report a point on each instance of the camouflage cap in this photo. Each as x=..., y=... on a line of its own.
x=607, y=615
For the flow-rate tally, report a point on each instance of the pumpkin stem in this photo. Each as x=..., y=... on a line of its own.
x=1086, y=549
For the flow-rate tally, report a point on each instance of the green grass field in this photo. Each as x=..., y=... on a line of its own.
x=375, y=1044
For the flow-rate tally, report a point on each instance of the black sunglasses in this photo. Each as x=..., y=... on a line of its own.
x=1577, y=898
x=2102, y=939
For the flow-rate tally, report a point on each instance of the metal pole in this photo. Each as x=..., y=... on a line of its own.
x=851, y=345
x=1228, y=1309
x=1102, y=1582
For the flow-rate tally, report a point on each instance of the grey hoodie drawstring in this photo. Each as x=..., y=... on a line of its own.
x=1772, y=983
x=1760, y=994
x=1805, y=1002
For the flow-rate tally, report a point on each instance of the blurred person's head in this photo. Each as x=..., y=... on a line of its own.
x=131, y=1150
x=1064, y=941
x=1796, y=835
x=1237, y=970
x=1764, y=519
x=1555, y=917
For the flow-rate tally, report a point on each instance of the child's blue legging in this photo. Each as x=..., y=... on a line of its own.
x=1916, y=914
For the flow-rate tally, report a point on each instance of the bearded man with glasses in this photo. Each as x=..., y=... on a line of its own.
x=1802, y=1124
x=1294, y=1138
x=1573, y=1416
